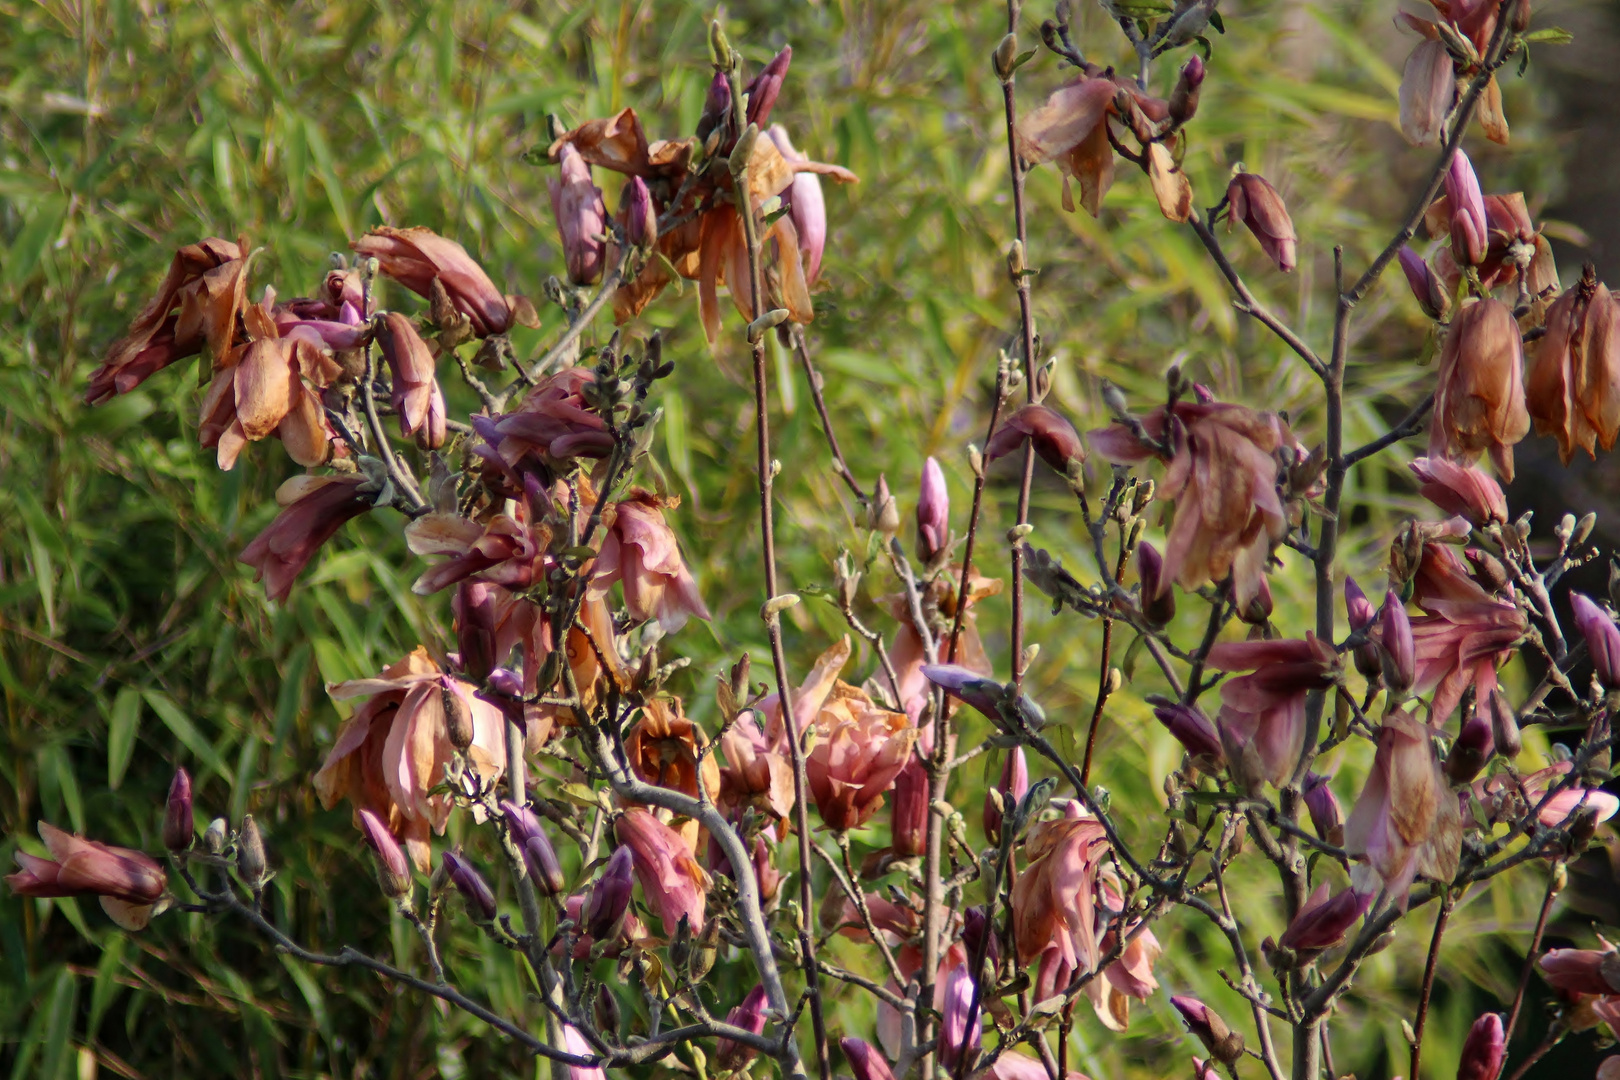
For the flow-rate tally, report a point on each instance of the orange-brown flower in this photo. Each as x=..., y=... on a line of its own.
x=414, y=257
x=1072, y=129
x=1054, y=902
x=1479, y=397
x=1574, y=388
x=315, y=508
x=860, y=749
x=663, y=750
x=1406, y=821
x=640, y=552
x=1428, y=85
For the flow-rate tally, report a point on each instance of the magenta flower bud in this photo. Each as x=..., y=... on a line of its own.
x=473, y=607
x=1327, y=817
x=1054, y=438
x=1398, y=650
x=640, y=216
x=576, y=203
x=957, y=1039
x=1505, y=736
x=1192, y=730
x=981, y=693
x=1469, y=236
x=1426, y=286
x=908, y=820
x=1184, y=98
x=178, y=825
x=471, y=885
x=576, y=1043
x=763, y=90
x=609, y=901
x=1322, y=923
x=1014, y=785
x=394, y=873
x=933, y=513
x=716, y=106
x=1157, y=601
x=750, y=1016
x=977, y=934
x=538, y=854
x=1256, y=203
x=1602, y=639
x=865, y=1061
x=1222, y=1042
x=1581, y=971
x=1483, y=1049
x=506, y=681
x=1361, y=614
x=1471, y=750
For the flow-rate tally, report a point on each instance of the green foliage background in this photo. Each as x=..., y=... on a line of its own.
x=130, y=640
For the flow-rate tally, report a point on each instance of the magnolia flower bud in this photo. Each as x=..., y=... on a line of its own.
x=979, y=937
x=1014, y=785
x=471, y=885
x=957, y=1039
x=1322, y=923
x=933, y=513
x=605, y=1006
x=1184, y=98
x=765, y=87
x=1256, y=203
x=1504, y=726
x=883, y=515
x=178, y=826
x=458, y=720
x=981, y=693
x=1257, y=612
x=1360, y=614
x=1469, y=237
x=1221, y=1041
x=640, y=216
x=538, y=854
x=750, y=1016
x=716, y=106
x=1398, y=650
x=1471, y=750
x=507, y=682
x=214, y=836
x=250, y=857
x=609, y=900
x=865, y=1061
x=1431, y=293
x=1158, y=600
x=576, y=203
x=474, y=609
x=1327, y=817
x=908, y=820
x=393, y=872
x=1192, y=730
x=1602, y=639
x=1483, y=1050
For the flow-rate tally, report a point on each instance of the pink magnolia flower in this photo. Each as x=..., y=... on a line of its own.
x=1582, y=971
x=576, y=1043
x=1479, y=401
x=1574, y=387
x=672, y=882
x=1012, y=787
x=471, y=885
x=415, y=256
x=1054, y=903
x=581, y=216
x=129, y=883
x=1049, y=431
x=807, y=207
x=1127, y=978
x=640, y=552
x=1428, y=87
x=1559, y=809
x=1467, y=205
x=1483, y=1049
x=314, y=508
x=1321, y=923
x=867, y=1062
x=1256, y=203
x=750, y=1016
x=1264, y=713
x=1406, y=822
x=1223, y=477
x=1602, y=639
x=860, y=750
x=961, y=1027
x=604, y=912
x=907, y=653
x=393, y=750
x=1327, y=816
x=1460, y=490
x=1193, y=731
x=1464, y=635
x=502, y=551
x=416, y=396
x=908, y=817
x=555, y=420
x=1071, y=128
x=933, y=513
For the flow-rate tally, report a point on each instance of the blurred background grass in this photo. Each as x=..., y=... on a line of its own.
x=130, y=640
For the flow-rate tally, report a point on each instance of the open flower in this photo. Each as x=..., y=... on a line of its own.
x=1222, y=475
x=1071, y=128
x=860, y=750
x=663, y=750
x=315, y=507
x=1406, y=822
x=1265, y=712
x=1048, y=430
x=554, y=420
x=1464, y=635
x=414, y=257
x=672, y=882
x=640, y=552
x=1054, y=902
x=1574, y=387
x=129, y=883
x=393, y=750
x=807, y=207
x=1479, y=402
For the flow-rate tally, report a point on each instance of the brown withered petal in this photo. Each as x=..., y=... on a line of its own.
x=1170, y=185
x=415, y=256
x=1428, y=85
x=1479, y=402
x=1574, y=387
x=1256, y=203
x=1492, y=120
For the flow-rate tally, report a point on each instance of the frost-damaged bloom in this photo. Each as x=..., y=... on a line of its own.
x=207, y=282
x=394, y=749
x=640, y=551
x=672, y=882
x=807, y=206
x=663, y=749
x=1511, y=239
x=1460, y=490
x=581, y=216
x=1406, y=822
x=554, y=420
x=1465, y=634
x=1131, y=976
x=502, y=550
x=1428, y=86
x=1574, y=387
x=957, y=1037
x=129, y=883
x=1482, y=1051
x=1602, y=639
x=1071, y=128
x=1262, y=718
x=1054, y=903
x=414, y=257
x=750, y=1016
x=866, y=1061
x=1256, y=203
x=1429, y=83
x=1011, y=789
x=1321, y=923
x=1223, y=476
x=416, y=396
x=314, y=508
x=1053, y=437
x=860, y=750
x=1479, y=394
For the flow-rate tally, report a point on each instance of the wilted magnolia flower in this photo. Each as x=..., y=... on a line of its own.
x=1510, y=237
x=1574, y=388
x=314, y=508
x=554, y=420
x=1222, y=474
x=1460, y=490
x=1071, y=128
x=1428, y=87
x=1053, y=437
x=1467, y=207
x=415, y=256
x=640, y=551
x=663, y=748
x=207, y=282
x=1406, y=822
x=1602, y=639
x=416, y=396
x=393, y=750
x=129, y=883
x=1256, y=203
x=766, y=876
x=1321, y=923
x=1431, y=293
x=1465, y=634
x=860, y=750
x=1130, y=976
x=1482, y=1051
x=1262, y=718
x=750, y=1016
x=1054, y=902
x=1479, y=400
x=807, y=206
x=672, y=882
x=581, y=216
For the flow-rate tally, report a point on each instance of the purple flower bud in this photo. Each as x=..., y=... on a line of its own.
x=1327, y=817
x=933, y=513
x=472, y=886
x=1505, y=735
x=956, y=1038
x=1399, y=651
x=394, y=873
x=1322, y=923
x=1054, y=438
x=1361, y=615
x=716, y=105
x=1472, y=749
x=1014, y=785
x=975, y=927
x=866, y=1062
x=576, y=203
x=1184, y=98
x=538, y=854
x=178, y=825
x=1426, y=286
x=505, y=681
x=908, y=821
x=750, y=1016
x=1191, y=728
x=1602, y=639
x=609, y=901
x=1482, y=1051
x=765, y=87
x=1158, y=601
x=1467, y=204
x=640, y=216
x=807, y=207
x=473, y=607
x=981, y=693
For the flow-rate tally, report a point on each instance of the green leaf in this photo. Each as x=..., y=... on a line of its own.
x=1552, y=35
x=122, y=725
x=32, y=240
x=183, y=729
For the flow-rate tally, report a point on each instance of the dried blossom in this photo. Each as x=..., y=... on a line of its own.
x=129, y=883
x=1265, y=711
x=1256, y=203
x=313, y=509
x=1406, y=821
x=415, y=257
x=640, y=551
x=1479, y=400
x=1573, y=391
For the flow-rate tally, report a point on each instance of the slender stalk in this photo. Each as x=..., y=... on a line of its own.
x=1530, y=954
x=812, y=377
x=1427, y=987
